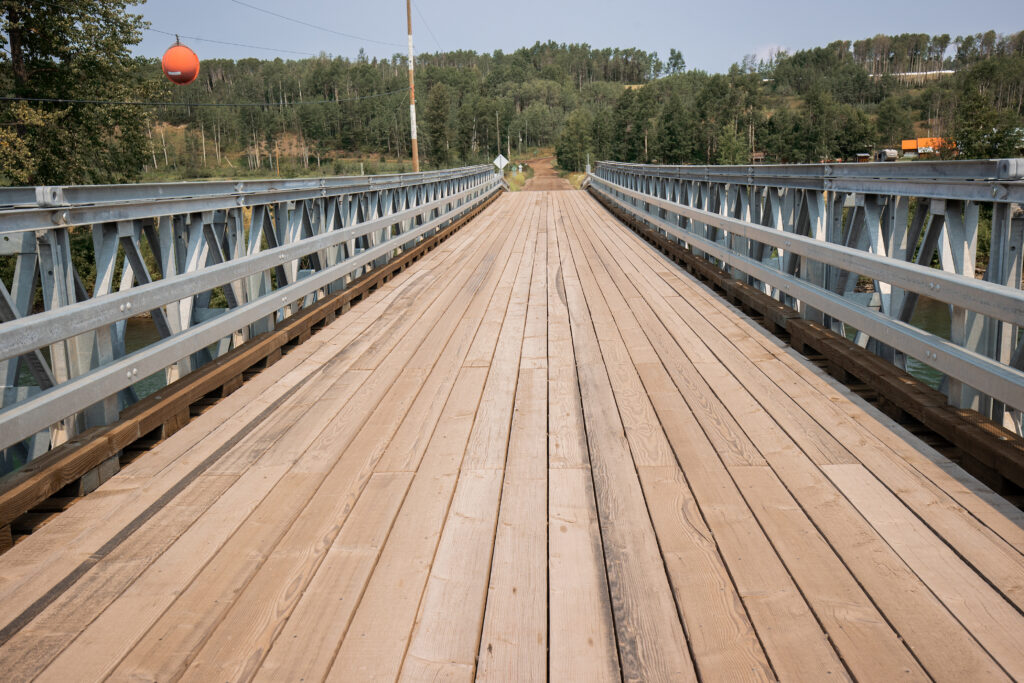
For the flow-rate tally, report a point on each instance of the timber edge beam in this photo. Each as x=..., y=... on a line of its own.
x=80, y=465
x=983, y=448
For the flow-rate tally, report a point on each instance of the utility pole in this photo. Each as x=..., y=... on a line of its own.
x=412, y=93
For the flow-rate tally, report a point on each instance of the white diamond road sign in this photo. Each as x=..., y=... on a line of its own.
x=501, y=162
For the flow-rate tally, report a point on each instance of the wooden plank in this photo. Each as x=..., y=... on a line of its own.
x=372, y=644
x=513, y=643
x=582, y=646
x=166, y=647
x=514, y=639
x=46, y=563
x=984, y=612
x=337, y=585
x=375, y=643
x=249, y=628
x=650, y=636
x=786, y=626
x=1000, y=563
x=731, y=439
x=457, y=584
x=567, y=444
x=458, y=577
x=981, y=503
x=989, y=508
x=33, y=484
x=868, y=644
x=411, y=440
x=311, y=477
x=582, y=633
x=764, y=406
x=941, y=643
x=482, y=352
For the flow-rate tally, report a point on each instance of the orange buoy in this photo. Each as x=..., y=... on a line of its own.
x=180, y=64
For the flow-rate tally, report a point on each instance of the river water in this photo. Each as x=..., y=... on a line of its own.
x=140, y=332
x=931, y=316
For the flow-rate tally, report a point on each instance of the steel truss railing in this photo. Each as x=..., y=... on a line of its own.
x=271, y=247
x=809, y=234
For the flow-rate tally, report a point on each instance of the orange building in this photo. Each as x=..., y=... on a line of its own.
x=923, y=147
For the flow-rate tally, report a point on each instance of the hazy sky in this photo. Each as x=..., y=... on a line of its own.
x=711, y=34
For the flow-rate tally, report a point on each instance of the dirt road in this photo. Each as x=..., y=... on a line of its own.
x=545, y=177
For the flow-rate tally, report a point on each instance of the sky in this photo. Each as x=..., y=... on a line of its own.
x=712, y=35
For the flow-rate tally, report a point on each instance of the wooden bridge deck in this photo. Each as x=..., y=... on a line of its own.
x=542, y=451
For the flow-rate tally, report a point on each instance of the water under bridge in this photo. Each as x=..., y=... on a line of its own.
x=662, y=429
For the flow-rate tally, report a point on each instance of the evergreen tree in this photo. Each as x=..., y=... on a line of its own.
x=435, y=125
x=575, y=142
x=676, y=132
x=895, y=123
x=983, y=131
x=676, y=63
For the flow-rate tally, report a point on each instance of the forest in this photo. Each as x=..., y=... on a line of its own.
x=336, y=115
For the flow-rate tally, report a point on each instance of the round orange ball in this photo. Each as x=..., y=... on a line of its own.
x=180, y=64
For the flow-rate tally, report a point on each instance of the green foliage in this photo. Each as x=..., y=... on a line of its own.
x=576, y=141
x=895, y=122
x=324, y=114
x=676, y=64
x=983, y=131
x=470, y=106
x=78, y=49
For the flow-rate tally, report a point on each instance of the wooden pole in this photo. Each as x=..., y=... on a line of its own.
x=412, y=92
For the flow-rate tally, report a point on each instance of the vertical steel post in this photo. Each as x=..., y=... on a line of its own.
x=412, y=92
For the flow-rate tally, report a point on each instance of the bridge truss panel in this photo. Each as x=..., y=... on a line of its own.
x=854, y=247
x=212, y=263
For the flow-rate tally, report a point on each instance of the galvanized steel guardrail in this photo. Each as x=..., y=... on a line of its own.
x=270, y=247
x=812, y=236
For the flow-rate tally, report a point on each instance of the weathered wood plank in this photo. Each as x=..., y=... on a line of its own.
x=316, y=458
x=650, y=635
x=514, y=641
x=458, y=578
x=582, y=633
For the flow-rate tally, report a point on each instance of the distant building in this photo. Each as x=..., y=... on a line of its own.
x=911, y=77
x=923, y=148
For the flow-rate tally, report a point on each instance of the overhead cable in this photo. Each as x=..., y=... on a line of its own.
x=316, y=26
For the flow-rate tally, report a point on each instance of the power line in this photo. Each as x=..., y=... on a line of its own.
x=224, y=42
x=321, y=28
x=252, y=47
x=204, y=40
x=436, y=41
x=57, y=100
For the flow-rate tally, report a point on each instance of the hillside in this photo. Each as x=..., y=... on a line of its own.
x=332, y=115
x=824, y=103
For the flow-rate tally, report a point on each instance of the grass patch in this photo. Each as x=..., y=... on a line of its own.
x=575, y=178
x=516, y=180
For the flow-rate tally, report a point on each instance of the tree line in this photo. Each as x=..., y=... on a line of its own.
x=825, y=103
x=616, y=103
